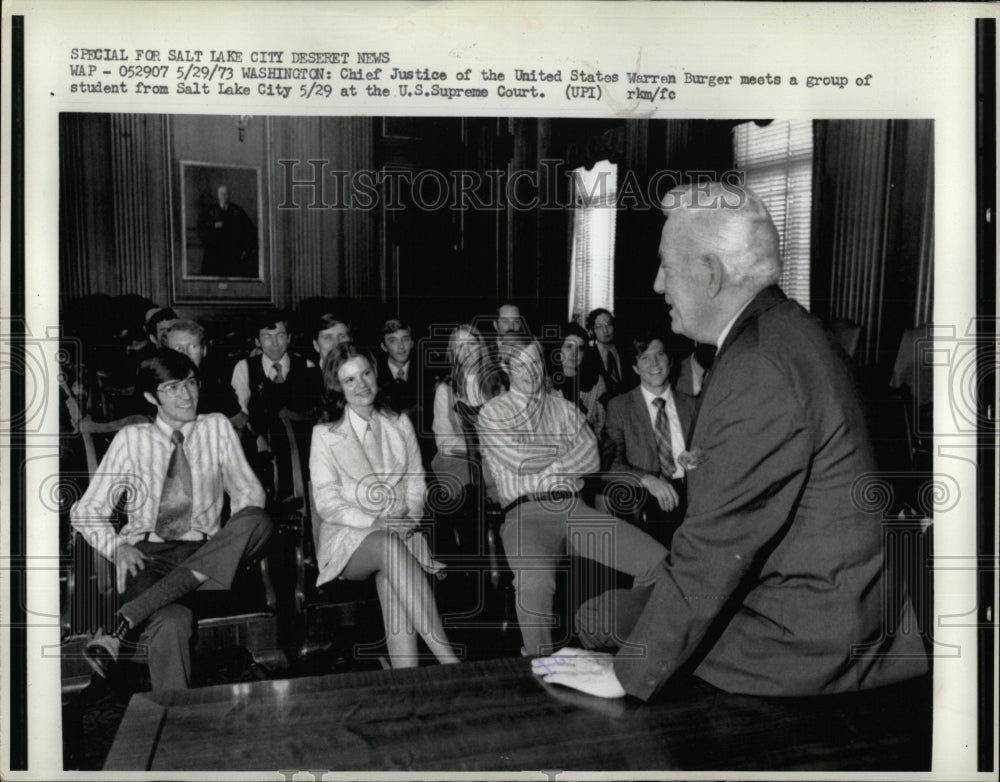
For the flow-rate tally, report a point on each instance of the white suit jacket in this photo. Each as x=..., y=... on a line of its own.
x=348, y=495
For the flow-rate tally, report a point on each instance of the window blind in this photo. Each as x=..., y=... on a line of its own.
x=778, y=160
x=592, y=270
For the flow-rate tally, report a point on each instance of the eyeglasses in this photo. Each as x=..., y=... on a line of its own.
x=175, y=388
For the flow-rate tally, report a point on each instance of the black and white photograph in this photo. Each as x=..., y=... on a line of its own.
x=592, y=390
x=510, y=293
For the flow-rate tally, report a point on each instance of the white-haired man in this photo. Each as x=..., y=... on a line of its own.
x=775, y=579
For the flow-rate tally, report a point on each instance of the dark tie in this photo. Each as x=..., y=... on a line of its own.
x=662, y=430
x=613, y=372
x=279, y=376
x=174, y=516
x=401, y=376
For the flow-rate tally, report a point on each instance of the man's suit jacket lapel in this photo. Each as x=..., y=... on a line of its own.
x=763, y=301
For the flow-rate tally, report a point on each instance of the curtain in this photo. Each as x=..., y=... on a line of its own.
x=592, y=270
x=873, y=247
x=777, y=161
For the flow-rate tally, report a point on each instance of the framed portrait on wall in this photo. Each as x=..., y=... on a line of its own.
x=221, y=209
x=220, y=227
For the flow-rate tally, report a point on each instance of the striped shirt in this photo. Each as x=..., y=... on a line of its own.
x=536, y=444
x=136, y=462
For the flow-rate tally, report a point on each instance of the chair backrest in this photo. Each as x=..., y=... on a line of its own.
x=298, y=430
x=92, y=432
x=848, y=334
x=913, y=371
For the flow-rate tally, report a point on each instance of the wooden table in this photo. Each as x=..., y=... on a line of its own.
x=495, y=715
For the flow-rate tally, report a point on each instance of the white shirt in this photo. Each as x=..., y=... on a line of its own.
x=358, y=424
x=673, y=421
x=396, y=370
x=241, y=375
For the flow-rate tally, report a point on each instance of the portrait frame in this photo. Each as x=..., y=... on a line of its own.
x=193, y=185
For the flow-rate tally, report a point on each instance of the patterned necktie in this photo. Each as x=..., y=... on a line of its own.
x=613, y=372
x=372, y=450
x=401, y=375
x=174, y=516
x=662, y=430
x=279, y=376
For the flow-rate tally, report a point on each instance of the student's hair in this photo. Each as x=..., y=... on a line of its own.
x=595, y=314
x=154, y=320
x=269, y=319
x=334, y=403
x=393, y=325
x=488, y=374
x=642, y=341
x=191, y=327
x=574, y=329
x=162, y=367
x=326, y=321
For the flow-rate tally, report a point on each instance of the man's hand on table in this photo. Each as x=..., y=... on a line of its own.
x=589, y=672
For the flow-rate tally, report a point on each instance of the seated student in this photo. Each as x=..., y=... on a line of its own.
x=173, y=543
x=401, y=380
x=569, y=378
x=217, y=396
x=473, y=380
x=538, y=448
x=123, y=399
x=606, y=358
x=507, y=321
x=644, y=436
x=368, y=492
x=267, y=383
x=329, y=332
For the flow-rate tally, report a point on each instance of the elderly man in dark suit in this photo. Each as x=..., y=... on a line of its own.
x=775, y=580
x=643, y=437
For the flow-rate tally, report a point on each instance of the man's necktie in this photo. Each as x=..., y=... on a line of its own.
x=372, y=449
x=613, y=371
x=401, y=376
x=663, y=449
x=174, y=516
x=279, y=376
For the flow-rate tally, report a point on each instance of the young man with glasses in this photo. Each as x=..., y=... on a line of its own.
x=175, y=472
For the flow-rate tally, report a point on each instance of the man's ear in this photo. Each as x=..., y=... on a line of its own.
x=635, y=368
x=151, y=399
x=256, y=341
x=715, y=272
x=316, y=345
x=384, y=348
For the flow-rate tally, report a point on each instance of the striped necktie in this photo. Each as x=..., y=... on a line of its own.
x=662, y=431
x=279, y=375
x=174, y=516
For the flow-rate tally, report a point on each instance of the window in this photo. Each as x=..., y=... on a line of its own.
x=592, y=265
x=778, y=160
